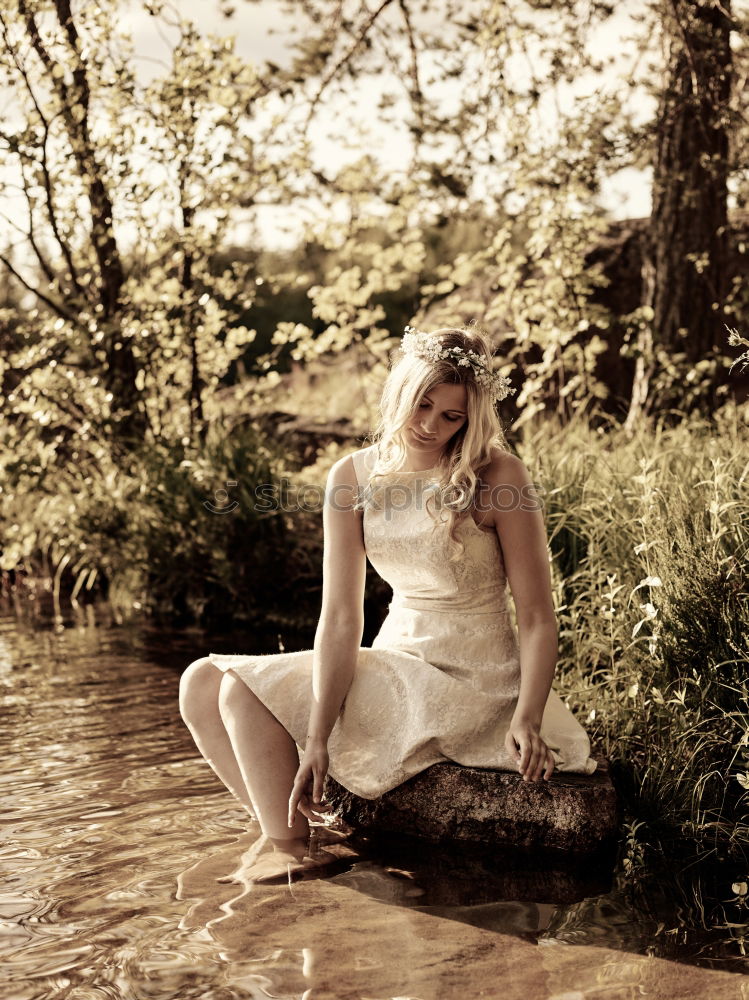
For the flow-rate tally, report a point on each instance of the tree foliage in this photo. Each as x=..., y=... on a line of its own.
x=124, y=314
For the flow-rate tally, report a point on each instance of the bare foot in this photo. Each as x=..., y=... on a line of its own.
x=284, y=865
x=194, y=882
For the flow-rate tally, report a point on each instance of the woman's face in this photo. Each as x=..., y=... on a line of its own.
x=440, y=413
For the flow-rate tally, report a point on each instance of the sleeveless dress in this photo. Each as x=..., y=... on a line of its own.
x=440, y=681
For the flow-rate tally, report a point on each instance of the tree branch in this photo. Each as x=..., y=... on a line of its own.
x=331, y=74
x=49, y=201
x=54, y=306
x=52, y=215
x=414, y=59
x=48, y=272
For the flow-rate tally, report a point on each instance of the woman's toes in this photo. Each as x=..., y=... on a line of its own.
x=269, y=868
x=285, y=866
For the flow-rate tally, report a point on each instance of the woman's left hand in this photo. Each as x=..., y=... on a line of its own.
x=523, y=742
x=306, y=795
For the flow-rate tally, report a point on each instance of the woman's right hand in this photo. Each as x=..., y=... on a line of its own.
x=306, y=794
x=532, y=756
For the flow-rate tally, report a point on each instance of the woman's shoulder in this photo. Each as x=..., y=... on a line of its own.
x=360, y=462
x=367, y=453
x=507, y=490
x=504, y=467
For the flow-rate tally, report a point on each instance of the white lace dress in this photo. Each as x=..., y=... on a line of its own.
x=440, y=681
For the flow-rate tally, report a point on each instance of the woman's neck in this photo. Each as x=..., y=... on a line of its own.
x=420, y=464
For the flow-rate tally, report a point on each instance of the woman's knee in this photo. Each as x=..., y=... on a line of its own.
x=198, y=688
x=232, y=695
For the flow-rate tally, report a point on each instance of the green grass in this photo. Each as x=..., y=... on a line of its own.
x=649, y=537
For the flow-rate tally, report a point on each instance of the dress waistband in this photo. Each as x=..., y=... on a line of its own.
x=469, y=604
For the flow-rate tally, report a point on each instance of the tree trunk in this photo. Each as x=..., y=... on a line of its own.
x=119, y=372
x=198, y=426
x=684, y=279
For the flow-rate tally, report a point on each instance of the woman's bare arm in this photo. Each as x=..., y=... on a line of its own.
x=338, y=635
x=341, y=625
x=519, y=522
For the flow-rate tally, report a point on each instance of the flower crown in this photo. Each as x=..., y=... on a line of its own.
x=427, y=346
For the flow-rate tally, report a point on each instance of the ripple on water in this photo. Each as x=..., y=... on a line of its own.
x=115, y=834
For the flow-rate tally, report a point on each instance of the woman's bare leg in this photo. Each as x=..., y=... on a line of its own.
x=267, y=757
x=268, y=760
x=252, y=754
x=198, y=702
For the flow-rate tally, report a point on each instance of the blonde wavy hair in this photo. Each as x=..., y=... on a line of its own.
x=467, y=452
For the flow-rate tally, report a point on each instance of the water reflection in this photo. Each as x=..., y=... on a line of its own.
x=115, y=835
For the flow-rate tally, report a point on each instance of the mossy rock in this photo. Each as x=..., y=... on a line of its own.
x=570, y=813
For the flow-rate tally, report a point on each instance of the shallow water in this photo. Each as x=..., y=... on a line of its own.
x=115, y=831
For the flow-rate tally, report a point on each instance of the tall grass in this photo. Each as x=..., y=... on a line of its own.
x=649, y=539
x=156, y=533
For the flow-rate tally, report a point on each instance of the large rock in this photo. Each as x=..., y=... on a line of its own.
x=570, y=813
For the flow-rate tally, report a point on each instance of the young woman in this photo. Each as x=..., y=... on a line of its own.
x=447, y=516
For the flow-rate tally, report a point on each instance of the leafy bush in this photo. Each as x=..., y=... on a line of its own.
x=157, y=533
